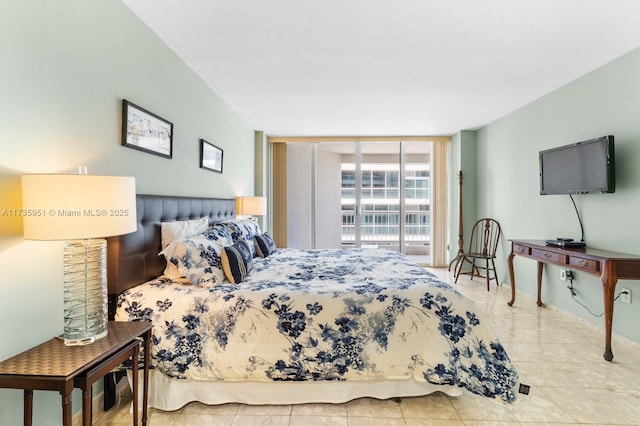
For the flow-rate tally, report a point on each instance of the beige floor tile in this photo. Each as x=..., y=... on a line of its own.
x=433, y=422
x=377, y=421
x=318, y=420
x=204, y=419
x=247, y=420
x=538, y=408
x=264, y=410
x=373, y=408
x=472, y=407
x=601, y=406
x=435, y=406
x=159, y=418
x=319, y=410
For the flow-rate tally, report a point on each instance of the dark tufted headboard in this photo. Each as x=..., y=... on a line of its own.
x=133, y=258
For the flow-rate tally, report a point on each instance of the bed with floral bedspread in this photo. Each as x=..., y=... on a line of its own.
x=323, y=315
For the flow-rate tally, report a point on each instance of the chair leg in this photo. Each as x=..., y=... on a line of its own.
x=495, y=273
x=486, y=272
x=473, y=268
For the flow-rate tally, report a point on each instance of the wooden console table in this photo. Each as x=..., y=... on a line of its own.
x=54, y=366
x=608, y=265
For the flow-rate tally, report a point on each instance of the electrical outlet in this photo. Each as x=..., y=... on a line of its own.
x=625, y=295
x=566, y=275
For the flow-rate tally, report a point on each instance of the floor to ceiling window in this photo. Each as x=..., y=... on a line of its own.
x=359, y=194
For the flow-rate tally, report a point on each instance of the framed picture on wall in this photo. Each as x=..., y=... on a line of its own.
x=210, y=156
x=145, y=131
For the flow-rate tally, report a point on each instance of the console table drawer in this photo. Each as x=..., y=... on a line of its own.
x=587, y=265
x=549, y=256
x=519, y=249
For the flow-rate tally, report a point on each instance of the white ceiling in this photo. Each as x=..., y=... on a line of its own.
x=388, y=67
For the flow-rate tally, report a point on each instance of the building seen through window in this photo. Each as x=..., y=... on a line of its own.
x=380, y=201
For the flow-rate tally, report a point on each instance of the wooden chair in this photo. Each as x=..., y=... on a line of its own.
x=485, y=236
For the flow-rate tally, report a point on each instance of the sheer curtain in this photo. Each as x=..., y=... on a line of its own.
x=440, y=171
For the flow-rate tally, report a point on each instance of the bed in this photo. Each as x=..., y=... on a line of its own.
x=302, y=325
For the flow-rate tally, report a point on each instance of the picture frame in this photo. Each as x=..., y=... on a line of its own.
x=211, y=156
x=146, y=131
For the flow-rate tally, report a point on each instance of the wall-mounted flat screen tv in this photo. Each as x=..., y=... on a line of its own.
x=586, y=167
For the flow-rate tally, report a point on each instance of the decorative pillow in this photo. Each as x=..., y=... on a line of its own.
x=171, y=231
x=245, y=229
x=237, y=261
x=218, y=232
x=265, y=245
x=198, y=258
x=221, y=231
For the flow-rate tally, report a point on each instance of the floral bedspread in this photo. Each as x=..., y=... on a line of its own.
x=357, y=314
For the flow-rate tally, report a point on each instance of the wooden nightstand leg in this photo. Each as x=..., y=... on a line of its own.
x=87, y=406
x=134, y=367
x=66, y=409
x=28, y=407
x=145, y=394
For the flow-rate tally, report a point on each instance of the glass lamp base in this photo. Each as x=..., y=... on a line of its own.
x=85, y=291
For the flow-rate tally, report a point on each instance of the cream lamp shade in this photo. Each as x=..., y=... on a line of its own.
x=251, y=206
x=68, y=207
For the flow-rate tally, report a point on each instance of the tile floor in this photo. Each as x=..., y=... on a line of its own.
x=559, y=355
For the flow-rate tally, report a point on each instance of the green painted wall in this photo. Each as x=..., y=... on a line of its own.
x=66, y=66
x=605, y=101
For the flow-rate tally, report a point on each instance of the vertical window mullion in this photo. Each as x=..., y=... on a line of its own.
x=402, y=199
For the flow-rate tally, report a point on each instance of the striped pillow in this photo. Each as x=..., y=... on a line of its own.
x=237, y=261
x=264, y=245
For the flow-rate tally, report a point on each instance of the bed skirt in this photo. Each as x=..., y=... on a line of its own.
x=168, y=394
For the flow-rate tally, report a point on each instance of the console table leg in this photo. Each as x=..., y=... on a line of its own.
x=609, y=280
x=512, y=278
x=540, y=268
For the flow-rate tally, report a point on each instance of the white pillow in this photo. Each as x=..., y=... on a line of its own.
x=172, y=231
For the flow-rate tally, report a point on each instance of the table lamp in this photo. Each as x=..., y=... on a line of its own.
x=251, y=206
x=80, y=209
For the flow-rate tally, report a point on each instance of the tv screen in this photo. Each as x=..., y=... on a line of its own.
x=586, y=167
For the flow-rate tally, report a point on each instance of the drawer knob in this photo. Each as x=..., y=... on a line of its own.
x=547, y=255
x=582, y=262
x=521, y=249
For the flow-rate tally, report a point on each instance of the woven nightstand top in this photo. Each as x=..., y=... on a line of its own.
x=53, y=358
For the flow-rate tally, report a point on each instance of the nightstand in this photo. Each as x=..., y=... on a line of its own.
x=54, y=366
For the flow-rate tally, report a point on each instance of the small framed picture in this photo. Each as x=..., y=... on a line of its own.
x=210, y=156
x=145, y=131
